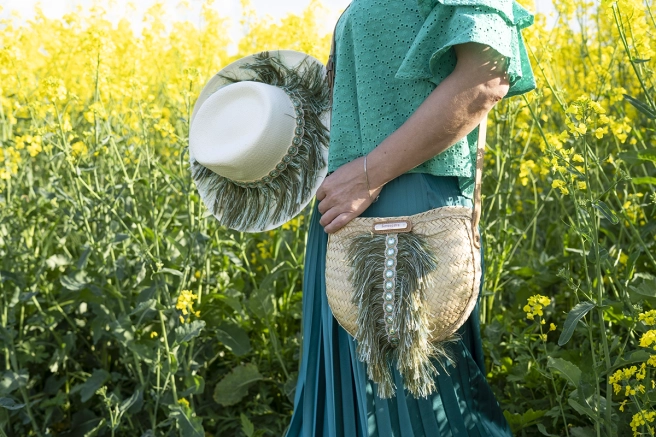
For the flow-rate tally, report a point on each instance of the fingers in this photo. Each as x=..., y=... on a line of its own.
x=321, y=193
x=338, y=223
x=328, y=216
x=323, y=206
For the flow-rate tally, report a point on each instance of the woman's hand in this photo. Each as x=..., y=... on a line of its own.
x=450, y=112
x=343, y=196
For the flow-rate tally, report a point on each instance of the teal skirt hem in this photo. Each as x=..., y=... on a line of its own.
x=334, y=397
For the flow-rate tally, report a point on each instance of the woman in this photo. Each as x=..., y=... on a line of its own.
x=413, y=80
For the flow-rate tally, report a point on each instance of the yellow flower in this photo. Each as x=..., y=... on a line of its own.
x=581, y=128
x=183, y=402
x=153, y=334
x=600, y=132
x=596, y=107
x=78, y=148
x=623, y=259
x=577, y=158
x=560, y=184
x=642, y=373
x=54, y=89
x=552, y=327
x=652, y=361
x=581, y=185
x=185, y=304
x=648, y=339
x=641, y=418
x=649, y=317
x=535, y=305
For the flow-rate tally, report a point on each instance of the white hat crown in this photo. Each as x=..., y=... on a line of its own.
x=243, y=131
x=258, y=139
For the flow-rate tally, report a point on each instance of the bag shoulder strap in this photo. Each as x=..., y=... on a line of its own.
x=480, y=149
x=478, y=182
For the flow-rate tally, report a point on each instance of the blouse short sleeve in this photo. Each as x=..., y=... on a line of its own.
x=495, y=23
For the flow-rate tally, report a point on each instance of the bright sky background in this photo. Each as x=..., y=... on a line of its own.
x=231, y=8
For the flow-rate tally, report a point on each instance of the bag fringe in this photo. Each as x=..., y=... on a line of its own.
x=415, y=353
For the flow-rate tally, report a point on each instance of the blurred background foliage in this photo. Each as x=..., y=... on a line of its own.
x=126, y=311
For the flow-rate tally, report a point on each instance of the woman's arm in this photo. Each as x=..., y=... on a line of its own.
x=451, y=111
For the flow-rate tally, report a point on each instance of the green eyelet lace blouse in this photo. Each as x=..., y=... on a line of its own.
x=391, y=54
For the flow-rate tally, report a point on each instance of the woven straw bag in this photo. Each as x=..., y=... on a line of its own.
x=402, y=286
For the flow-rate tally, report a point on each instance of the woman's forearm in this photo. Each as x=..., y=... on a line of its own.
x=449, y=113
x=452, y=110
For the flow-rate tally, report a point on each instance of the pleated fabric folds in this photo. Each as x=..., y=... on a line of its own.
x=334, y=398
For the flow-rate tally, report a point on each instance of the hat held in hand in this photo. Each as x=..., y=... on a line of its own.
x=258, y=140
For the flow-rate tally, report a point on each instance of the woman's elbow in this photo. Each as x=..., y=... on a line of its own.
x=483, y=70
x=494, y=90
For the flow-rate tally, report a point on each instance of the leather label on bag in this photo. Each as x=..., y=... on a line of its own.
x=392, y=227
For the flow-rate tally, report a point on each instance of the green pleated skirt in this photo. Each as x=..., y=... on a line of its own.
x=334, y=397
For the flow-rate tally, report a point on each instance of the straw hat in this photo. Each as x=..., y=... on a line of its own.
x=258, y=140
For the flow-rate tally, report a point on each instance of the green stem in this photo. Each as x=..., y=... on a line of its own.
x=170, y=375
x=616, y=16
x=24, y=394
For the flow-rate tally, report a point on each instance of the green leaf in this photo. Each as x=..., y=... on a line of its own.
x=83, y=422
x=10, y=404
x=580, y=310
x=647, y=180
x=148, y=305
x=247, y=426
x=643, y=290
x=520, y=421
x=261, y=303
x=589, y=404
x=234, y=386
x=581, y=409
x=170, y=271
x=633, y=357
x=640, y=106
x=290, y=386
x=57, y=261
x=120, y=237
x=644, y=285
x=94, y=432
x=234, y=338
x=74, y=283
x=127, y=403
x=10, y=381
x=92, y=384
x=543, y=431
x=606, y=212
x=189, y=426
x=630, y=157
x=647, y=155
x=171, y=365
x=195, y=385
x=569, y=370
x=582, y=432
x=187, y=331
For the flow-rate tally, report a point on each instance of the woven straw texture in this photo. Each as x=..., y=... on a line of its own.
x=454, y=284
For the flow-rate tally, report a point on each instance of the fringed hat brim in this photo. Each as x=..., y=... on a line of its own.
x=265, y=206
